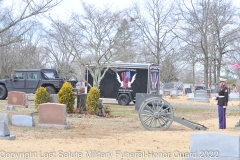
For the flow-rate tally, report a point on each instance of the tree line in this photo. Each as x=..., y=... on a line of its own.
x=189, y=39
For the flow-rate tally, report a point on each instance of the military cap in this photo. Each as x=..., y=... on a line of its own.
x=222, y=80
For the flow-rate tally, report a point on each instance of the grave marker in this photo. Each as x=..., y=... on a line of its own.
x=200, y=96
x=174, y=93
x=52, y=115
x=234, y=96
x=190, y=96
x=5, y=118
x=53, y=98
x=4, y=132
x=16, y=98
x=23, y=120
x=223, y=146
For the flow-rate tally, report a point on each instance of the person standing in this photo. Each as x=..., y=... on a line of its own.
x=222, y=103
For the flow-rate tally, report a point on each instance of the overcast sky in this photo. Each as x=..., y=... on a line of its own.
x=68, y=6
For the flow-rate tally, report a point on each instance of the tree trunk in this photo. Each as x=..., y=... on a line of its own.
x=193, y=72
x=218, y=70
x=206, y=71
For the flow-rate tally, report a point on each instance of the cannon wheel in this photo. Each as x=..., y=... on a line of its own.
x=156, y=113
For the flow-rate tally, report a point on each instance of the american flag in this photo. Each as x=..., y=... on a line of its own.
x=236, y=65
x=154, y=80
x=125, y=78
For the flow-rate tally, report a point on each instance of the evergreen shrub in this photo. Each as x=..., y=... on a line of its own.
x=67, y=96
x=42, y=96
x=92, y=101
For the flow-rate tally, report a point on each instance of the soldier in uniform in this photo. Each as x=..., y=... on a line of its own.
x=222, y=103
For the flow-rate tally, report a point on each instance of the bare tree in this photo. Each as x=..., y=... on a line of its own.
x=98, y=31
x=30, y=54
x=90, y=39
x=62, y=43
x=225, y=31
x=126, y=37
x=208, y=21
x=9, y=18
x=17, y=21
x=155, y=21
x=189, y=59
x=22, y=54
x=197, y=21
x=232, y=58
x=169, y=71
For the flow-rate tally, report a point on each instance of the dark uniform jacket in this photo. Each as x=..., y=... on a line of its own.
x=223, y=96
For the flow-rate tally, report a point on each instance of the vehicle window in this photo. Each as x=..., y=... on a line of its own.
x=49, y=74
x=19, y=75
x=32, y=76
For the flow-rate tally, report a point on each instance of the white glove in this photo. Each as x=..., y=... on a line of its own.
x=214, y=98
x=224, y=106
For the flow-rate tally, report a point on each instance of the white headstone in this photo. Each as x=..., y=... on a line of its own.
x=219, y=144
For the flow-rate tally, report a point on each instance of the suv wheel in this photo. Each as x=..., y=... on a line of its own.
x=3, y=92
x=51, y=90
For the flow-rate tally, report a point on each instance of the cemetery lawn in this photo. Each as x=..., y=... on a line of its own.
x=119, y=135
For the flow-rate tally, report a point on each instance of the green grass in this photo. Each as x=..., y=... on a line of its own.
x=121, y=111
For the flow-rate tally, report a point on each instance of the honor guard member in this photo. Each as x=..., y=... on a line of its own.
x=222, y=103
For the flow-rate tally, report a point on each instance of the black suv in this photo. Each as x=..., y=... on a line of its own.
x=29, y=80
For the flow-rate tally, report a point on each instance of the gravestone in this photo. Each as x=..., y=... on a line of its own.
x=4, y=132
x=190, y=96
x=218, y=145
x=52, y=115
x=53, y=98
x=5, y=118
x=23, y=120
x=140, y=97
x=200, y=96
x=174, y=93
x=16, y=98
x=81, y=101
x=233, y=96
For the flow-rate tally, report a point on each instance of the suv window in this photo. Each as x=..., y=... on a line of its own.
x=49, y=74
x=19, y=75
x=32, y=75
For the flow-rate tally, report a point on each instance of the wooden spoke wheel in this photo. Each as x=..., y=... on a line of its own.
x=156, y=114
